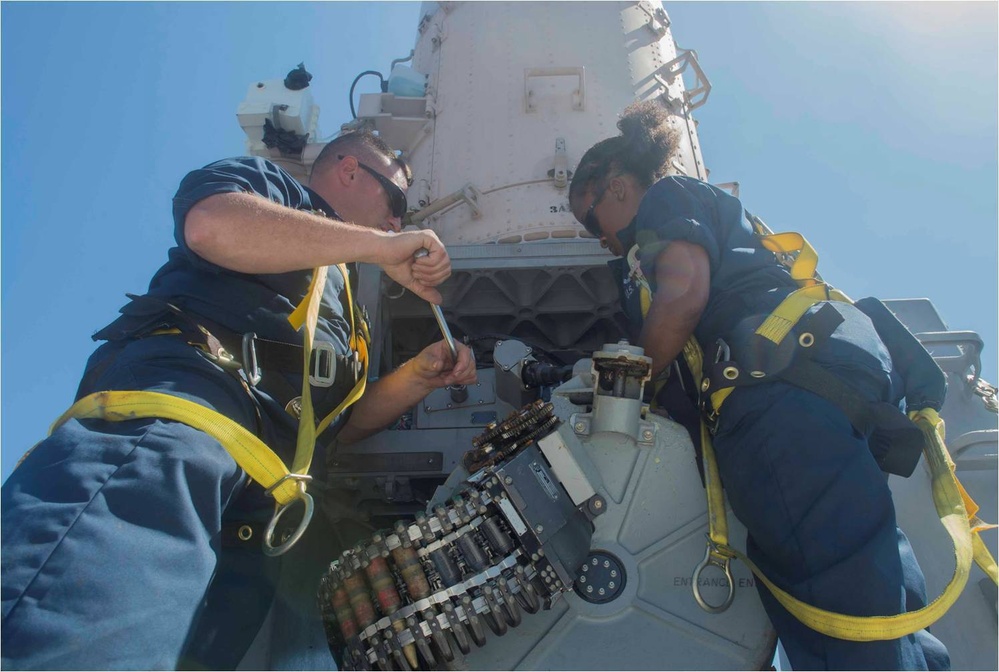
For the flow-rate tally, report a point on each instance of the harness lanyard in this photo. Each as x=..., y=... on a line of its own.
x=956, y=509
x=260, y=462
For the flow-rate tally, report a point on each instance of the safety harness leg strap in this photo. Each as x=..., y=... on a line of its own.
x=260, y=462
x=954, y=507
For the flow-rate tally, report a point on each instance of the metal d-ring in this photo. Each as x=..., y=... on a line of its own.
x=725, y=565
x=269, y=548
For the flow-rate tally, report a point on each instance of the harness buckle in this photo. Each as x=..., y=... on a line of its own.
x=724, y=353
x=250, y=367
x=322, y=371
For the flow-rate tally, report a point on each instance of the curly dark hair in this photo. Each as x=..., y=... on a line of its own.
x=363, y=144
x=643, y=150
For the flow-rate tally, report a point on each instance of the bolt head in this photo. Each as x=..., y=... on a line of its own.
x=579, y=426
x=539, y=528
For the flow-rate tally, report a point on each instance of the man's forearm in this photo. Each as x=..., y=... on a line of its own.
x=249, y=234
x=383, y=402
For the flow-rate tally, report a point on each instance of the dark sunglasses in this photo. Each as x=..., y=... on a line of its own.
x=590, y=222
x=396, y=196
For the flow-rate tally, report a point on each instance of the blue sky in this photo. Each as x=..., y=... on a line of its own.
x=869, y=127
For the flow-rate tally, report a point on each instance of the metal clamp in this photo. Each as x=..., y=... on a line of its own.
x=250, y=367
x=269, y=548
x=713, y=557
x=322, y=371
x=666, y=74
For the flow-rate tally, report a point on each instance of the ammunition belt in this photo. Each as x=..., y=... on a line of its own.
x=435, y=582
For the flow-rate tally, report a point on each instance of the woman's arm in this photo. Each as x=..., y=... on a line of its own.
x=683, y=279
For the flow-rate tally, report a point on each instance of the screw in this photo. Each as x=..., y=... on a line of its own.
x=606, y=563
x=647, y=434
x=610, y=585
x=589, y=589
x=586, y=568
x=594, y=562
x=613, y=572
x=582, y=579
x=579, y=426
x=601, y=591
x=598, y=504
x=539, y=528
x=508, y=480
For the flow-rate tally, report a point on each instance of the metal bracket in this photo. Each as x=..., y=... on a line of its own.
x=578, y=96
x=560, y=173
x=986, y=437
x=468, y=195
x=658, y=21
x=730, y=187
x=566, y=468
x=967, y=342
x=666, y=74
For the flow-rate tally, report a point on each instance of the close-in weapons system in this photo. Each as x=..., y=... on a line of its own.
x=544, y=517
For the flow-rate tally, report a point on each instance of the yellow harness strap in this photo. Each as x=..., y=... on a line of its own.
x=954, y=506
x=947, y=496
x=359, y=339
x=250, y=453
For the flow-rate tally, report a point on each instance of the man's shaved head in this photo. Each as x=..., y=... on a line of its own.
x=367, y=147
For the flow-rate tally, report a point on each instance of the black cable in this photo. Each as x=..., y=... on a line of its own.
x=384, y=87
x=506, y=337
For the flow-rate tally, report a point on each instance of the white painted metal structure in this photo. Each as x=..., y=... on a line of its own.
x=516, y=92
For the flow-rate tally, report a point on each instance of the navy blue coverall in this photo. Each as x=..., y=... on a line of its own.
x=112, y=531
x=797, y=474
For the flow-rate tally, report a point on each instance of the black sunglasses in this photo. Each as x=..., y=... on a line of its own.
x=590, y=222
x=396, y=196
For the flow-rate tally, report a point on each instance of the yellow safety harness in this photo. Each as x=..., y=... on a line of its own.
x=956, y=509
x=260, y=462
